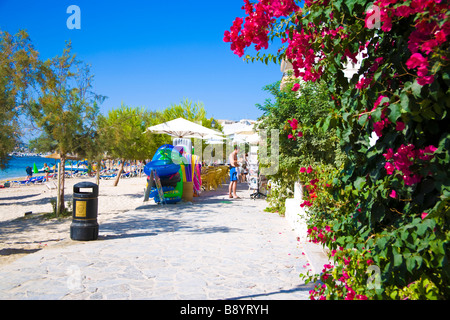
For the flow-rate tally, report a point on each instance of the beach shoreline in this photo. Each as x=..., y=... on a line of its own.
x=22, y=234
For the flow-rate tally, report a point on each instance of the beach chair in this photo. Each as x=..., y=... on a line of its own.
x=107, y=177
x=20, y=183
x=36, y=180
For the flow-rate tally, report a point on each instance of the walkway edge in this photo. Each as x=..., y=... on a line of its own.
x=316, y=256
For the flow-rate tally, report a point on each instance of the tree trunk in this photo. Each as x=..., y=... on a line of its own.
x=58, y=198
x=119, y=173
x=99, y=167
x=60, y=207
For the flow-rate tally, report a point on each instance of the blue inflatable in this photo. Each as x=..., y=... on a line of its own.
x=163, y=163
x=165, y=152
x=163, y=168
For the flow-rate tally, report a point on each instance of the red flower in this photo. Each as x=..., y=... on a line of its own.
x=293, y=123
x=377, y=103
x=416, y=60
x=389, y=154
x=400, y=126
x=306, y=203
x=389, y=168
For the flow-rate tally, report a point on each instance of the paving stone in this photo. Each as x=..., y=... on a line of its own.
x=195, y=252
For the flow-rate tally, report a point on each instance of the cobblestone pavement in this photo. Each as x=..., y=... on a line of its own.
x=214, y=248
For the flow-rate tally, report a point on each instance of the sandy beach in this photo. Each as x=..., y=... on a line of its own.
x=20, y=235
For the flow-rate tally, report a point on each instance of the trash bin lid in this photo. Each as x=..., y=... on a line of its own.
x=85, y=189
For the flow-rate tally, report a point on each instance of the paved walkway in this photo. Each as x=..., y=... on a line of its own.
x=212, y=249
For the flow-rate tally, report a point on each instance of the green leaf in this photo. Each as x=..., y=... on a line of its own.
x=398, y=259
x=376, y=115
x=362, y=119
x=359, y=183
x=422, y=227
x=404, y=102
x=410, y=264
x=416, y=89
x=381, y=243
x=395, y=112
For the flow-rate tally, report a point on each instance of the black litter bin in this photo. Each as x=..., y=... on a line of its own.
x=84, y=225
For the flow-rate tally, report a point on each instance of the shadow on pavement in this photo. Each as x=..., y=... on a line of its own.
x=301, y=288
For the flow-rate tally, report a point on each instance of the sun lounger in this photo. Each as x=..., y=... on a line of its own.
x=40, y=179
x=107, y=177
x=20, y=183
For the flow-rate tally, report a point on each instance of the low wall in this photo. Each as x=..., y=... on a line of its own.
x=296, y=215
x=297, y=218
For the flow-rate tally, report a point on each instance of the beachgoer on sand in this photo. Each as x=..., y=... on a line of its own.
x=233, y=173
x=47, y=171
x=29, y=172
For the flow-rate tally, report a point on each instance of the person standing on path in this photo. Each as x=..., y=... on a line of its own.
x=233, y=173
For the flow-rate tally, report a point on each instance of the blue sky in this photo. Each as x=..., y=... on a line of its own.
x=151, y=53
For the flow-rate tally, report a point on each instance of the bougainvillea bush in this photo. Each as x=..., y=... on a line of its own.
x=385, y=216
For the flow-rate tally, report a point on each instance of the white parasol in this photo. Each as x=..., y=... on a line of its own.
x=183, y=128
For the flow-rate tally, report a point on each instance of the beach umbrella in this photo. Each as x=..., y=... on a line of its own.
x=183, y=128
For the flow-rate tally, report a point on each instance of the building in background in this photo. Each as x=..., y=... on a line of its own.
x=241, y=131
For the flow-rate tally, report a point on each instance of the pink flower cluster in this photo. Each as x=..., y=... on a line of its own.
x=429, y=34
x=312, y=187
x=404, y=158
x=347, y=292
x=294, y=126
x=302, y=56
x=367, y=78
x=320, y=236
x=260, y=16
x=384, y=122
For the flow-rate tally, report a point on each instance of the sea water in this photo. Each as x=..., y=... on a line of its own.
x=17, y=165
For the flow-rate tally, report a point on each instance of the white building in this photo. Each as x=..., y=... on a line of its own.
x=238, y=131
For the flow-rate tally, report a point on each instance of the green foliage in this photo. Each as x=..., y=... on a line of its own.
x=390, y=202
x=122, y=133
x=65, y=109
x=309, y=106
x=18, y=73
x=412, y=252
